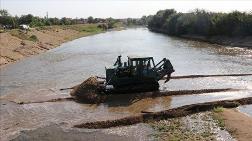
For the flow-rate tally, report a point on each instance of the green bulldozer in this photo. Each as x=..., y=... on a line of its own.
x=138, y=74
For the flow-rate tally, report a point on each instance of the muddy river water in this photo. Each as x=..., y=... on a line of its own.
x=40, y=78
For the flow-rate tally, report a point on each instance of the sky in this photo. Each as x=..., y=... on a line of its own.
x=117, y=8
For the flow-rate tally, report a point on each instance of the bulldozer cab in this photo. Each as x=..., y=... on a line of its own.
x=140, y=65
x=141, y=61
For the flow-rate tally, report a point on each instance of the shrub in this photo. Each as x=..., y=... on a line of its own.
x=33, y=38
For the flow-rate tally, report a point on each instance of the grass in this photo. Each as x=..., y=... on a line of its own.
x=19, y=34
x=220, y=121
x=23, y=35
x=218, y=109
x=33, y=38
x=87, y=28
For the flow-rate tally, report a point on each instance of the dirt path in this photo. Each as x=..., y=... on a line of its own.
x=239, y=124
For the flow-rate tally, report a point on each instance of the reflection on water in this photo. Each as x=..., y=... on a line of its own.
x=144, y=104
x=191, y=99
x=40, y=77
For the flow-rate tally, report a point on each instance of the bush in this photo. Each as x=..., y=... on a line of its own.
x=33, y=38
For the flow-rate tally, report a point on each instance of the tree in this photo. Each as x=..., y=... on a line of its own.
x=90, y=19
x=25, y=19
x=36, y=21
x=4, y=12
x=201, y=22
x=65, y=21
x=7, y=20
x=110, y=22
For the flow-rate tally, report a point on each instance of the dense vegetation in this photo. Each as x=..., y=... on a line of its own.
x=9, y=22
x=201, y=22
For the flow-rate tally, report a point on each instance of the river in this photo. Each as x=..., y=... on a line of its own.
x=40, y=77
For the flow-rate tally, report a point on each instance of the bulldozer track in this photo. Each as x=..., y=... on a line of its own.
x=170, y=113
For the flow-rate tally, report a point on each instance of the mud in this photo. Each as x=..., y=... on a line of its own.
x=95, y=98
x=57, y=133
x=51, y=100
x=88, y=91
x=171, y=113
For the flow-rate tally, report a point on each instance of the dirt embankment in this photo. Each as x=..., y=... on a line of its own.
x=237, y=123
x=17, y=44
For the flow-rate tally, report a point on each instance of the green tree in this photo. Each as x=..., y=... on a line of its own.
x=110, y=22
x=4, y=12
x=25, y=19
x=65, y=21
x=90, y=19
x=201, y=22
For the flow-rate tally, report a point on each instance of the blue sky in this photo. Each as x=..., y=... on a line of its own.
x=116, y=8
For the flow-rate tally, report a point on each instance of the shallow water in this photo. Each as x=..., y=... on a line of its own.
x=247, y=109
x=40, y=77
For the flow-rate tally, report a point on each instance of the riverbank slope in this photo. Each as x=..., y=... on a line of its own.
x=223, y=40
x=245, y=41
x=17, y=44
x=237, y=123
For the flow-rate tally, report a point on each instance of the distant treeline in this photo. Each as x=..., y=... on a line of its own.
x=201, y=22
x=9, y=22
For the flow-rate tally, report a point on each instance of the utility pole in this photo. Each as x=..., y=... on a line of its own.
x=46, y=15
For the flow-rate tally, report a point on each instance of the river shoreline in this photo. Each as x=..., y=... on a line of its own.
x=17, y=44
x=238, y=124
x=244, y=42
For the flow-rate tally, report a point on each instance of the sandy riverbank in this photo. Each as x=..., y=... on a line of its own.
x=16, y=44
x=237, y=123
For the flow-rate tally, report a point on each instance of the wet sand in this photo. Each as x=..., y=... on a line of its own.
x=56, y=133
x=238, y=124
